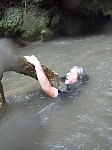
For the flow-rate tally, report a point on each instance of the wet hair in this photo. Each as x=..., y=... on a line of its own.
x=82, y=75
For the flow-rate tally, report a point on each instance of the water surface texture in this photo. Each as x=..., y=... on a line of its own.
x=33, y=121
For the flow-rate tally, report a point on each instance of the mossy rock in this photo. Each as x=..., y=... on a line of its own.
x=34, y=21
x=30, y=34
x=46, y=34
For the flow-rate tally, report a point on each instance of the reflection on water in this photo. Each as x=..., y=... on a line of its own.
x=35, y=121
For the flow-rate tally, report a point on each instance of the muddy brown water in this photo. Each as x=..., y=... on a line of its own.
x=33, y=121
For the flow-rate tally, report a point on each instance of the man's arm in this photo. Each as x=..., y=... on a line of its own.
x=43, y=80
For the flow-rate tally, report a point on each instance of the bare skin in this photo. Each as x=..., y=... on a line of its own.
x=71, y=77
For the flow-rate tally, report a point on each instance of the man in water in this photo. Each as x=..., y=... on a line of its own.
x=75, y=75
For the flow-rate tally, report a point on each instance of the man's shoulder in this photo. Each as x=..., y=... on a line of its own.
x=64, y=89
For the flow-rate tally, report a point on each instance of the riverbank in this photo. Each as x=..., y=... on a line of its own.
x=44, y=20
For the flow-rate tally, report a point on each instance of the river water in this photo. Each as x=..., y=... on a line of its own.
x=33, y=121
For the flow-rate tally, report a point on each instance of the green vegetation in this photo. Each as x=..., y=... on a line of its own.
x=12, y=20
x=94, y=6
x=39, y=19
x=27, y=20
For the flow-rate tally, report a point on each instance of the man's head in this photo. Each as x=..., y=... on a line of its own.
x=76, y=74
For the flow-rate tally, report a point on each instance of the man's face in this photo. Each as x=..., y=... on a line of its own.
x=71, y=76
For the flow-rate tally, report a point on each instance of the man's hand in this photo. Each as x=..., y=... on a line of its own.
x=43, y=80
x=33, y=60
